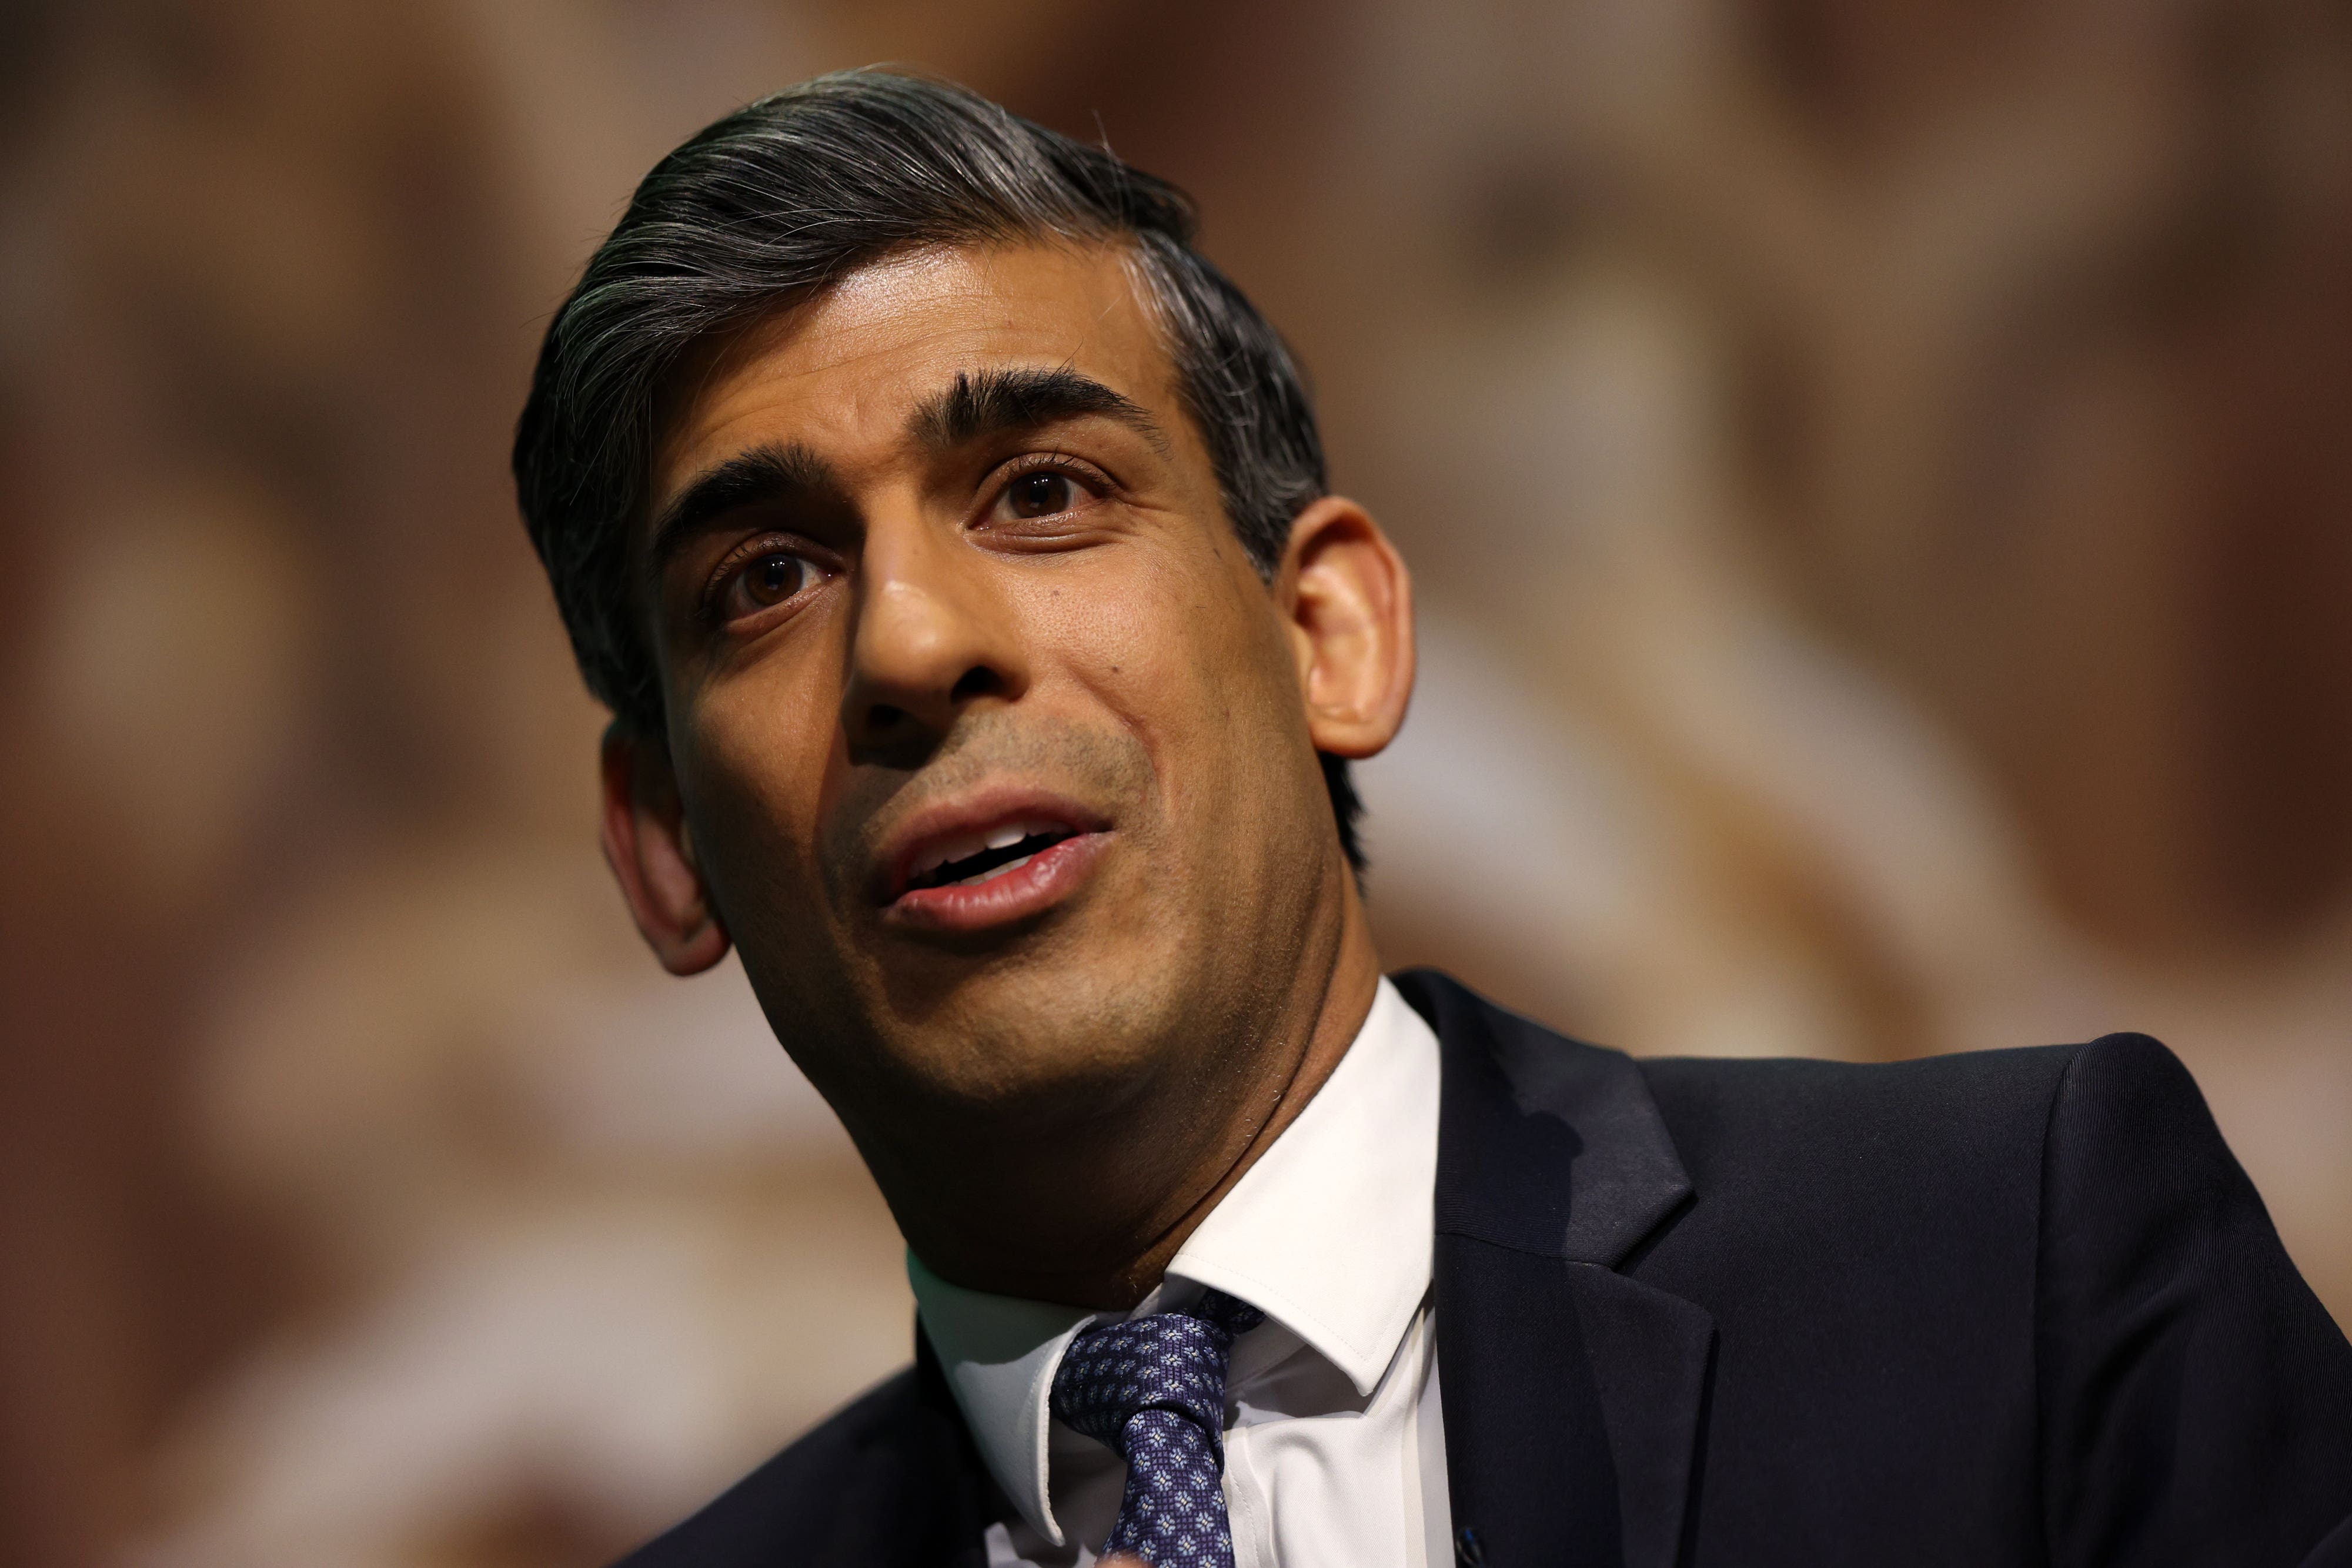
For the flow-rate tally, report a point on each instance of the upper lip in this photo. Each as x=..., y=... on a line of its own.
x=954, y=829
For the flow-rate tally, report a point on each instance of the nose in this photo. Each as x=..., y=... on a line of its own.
x=933, y=637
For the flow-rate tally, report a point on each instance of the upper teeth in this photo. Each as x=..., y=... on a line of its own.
x=968, y=845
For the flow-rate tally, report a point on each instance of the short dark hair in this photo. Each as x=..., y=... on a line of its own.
x=787, y=194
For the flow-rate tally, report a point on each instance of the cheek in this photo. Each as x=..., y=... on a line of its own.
x=756, y=762
x=1192, y=663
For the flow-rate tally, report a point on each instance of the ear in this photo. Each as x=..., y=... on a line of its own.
x=1348, y=599
x=647, y=844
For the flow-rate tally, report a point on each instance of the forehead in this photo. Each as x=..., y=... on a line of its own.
x=841, y=370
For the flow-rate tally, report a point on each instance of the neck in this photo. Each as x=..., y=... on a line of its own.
x=1090, y=1214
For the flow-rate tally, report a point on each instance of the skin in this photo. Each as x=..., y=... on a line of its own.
x=937, y=628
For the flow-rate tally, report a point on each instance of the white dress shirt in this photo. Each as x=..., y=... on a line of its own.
x=1334, y=1450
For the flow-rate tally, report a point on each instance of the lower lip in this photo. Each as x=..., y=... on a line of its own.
x=1042, y=880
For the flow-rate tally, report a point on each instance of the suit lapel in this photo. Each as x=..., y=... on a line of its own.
x=1652, y=1355
x=1528, y=1470
x=1573, y=1394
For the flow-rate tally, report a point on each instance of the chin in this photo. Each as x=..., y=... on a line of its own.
x=1050, y=1037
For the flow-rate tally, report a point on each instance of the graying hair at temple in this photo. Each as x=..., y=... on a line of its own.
x=791, y=192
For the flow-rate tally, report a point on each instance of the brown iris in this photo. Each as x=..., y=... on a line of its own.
x=1041, y=495
x=772, y=579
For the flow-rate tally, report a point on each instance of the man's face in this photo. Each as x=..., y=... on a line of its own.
x=990, y=742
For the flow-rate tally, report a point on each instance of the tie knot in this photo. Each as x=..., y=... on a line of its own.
x=1172, y=1360
x=1153, y=1387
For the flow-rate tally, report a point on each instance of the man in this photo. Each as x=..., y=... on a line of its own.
x=951, y=543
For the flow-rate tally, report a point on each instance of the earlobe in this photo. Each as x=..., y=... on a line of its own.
x=1349, y=601
x=652, y=856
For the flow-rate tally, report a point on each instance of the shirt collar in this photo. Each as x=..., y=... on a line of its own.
x=1328, y=1233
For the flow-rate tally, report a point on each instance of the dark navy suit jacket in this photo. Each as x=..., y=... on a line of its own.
x=2009, y=1308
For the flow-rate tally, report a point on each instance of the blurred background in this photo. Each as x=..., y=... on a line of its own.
x=1880, y=476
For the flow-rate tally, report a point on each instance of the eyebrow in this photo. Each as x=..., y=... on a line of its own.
x=761, y=476
x=989, y=402
x=977, y=404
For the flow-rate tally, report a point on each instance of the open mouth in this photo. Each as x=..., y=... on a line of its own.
x=984, y=857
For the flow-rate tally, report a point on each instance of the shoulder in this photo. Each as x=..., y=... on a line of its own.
x=1969, y=1113
x=1868, y=1237
x=1890, y=1180
x=1728, y=1090
x=1976, y=1127
x=1790, y=1107
x=883, y=1480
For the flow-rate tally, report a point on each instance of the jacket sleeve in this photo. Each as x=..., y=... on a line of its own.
x=2196, y=1399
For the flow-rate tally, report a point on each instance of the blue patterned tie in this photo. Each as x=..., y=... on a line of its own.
x=1154, y=1388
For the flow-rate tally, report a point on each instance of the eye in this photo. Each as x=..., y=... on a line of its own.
x=1042, y=493
x=764, y=577
x=774, y=577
